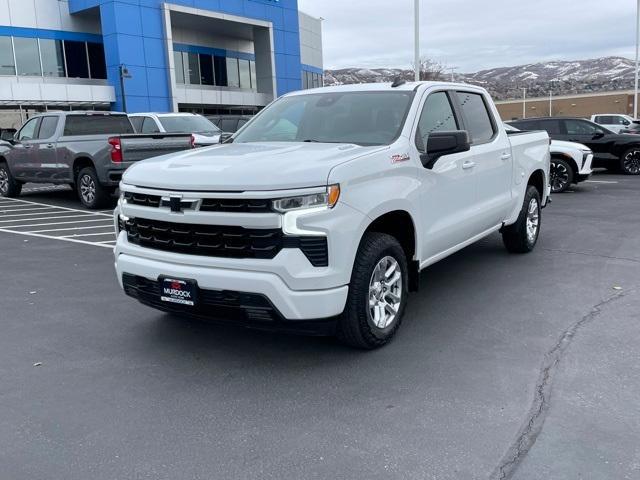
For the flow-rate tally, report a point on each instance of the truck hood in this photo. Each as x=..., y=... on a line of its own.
x=245, y=166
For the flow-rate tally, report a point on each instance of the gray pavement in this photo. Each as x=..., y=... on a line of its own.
x=124, y=392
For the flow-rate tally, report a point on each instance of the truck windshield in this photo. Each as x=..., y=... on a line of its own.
x=188, y=124
x=361, y=118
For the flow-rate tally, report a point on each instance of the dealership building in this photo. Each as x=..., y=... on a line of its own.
x=209, y=56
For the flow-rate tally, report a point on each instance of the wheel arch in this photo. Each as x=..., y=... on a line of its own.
x=80, y=162
x=537, y=179
x=400, y=225
x=568, y=158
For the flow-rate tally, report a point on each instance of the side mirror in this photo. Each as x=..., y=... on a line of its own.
x=226, y=137
x=8, y=137
x=626, y=122
x=440, y=144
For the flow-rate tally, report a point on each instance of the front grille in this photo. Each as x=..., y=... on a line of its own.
x=223, y=304
x=222, y=241
x=142, y=199
x=236, y=205
x=229, y=205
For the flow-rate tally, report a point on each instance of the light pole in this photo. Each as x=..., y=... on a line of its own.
x=417, y=39
x=551, y=103
x=635, y=99
x=524, y=103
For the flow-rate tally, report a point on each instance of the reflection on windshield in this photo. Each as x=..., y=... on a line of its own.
x=362, y=118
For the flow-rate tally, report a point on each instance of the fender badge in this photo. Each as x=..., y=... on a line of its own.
x=400, y=158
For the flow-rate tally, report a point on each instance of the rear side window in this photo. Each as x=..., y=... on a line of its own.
x=48, y=127
x=97, y=125
x=149, y=126
x=477, y=118
x=437, y=116
x=137, y=123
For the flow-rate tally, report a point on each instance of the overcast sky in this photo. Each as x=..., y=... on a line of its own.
x=472, y=34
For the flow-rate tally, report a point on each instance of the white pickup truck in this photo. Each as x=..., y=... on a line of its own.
x=321, y=213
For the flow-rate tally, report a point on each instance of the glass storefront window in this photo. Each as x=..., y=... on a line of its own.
x=27, y=56
x=76, y=55
x=206, y=69
x=220, y=68
x=7, y=66
x=97, y=62
x=233, y=75
x=179, y=66
x=193, y=68
x=254, y=81
x=245, y=74
x=52, y=58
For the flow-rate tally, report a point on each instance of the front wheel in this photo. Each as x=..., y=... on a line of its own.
x=377, y=293
x=561, y=175
x=91, y=193
x=522, y=236
x=9, y=186
x=630, y=161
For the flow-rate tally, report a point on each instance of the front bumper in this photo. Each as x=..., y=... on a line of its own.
x=290, y=304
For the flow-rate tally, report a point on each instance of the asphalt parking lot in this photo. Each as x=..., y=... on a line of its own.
x=507, y=366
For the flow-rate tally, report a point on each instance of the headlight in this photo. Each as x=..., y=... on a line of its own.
x=325, y=199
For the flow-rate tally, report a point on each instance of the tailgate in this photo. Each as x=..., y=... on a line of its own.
x=141, y=147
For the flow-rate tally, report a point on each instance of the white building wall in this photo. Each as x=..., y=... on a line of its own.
x=310, y=40
x=208, y=39
x=46, y=14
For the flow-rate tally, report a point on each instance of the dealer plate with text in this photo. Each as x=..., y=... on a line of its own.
x=181, y=292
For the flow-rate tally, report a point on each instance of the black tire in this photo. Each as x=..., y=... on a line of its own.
x=630, y=161
x=561, y=175
x=95, y=195
x=9, y=186
x=516, y=237
x=356, y=325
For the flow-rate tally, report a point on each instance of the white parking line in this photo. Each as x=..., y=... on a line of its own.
x=601, y=181
x=109, y=223
x=23, y=217
x=74, y=228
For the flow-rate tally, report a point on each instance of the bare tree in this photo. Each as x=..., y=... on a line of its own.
x=430, y=69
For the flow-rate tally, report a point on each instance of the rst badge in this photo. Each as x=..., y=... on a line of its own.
x=182, y=292
x=400, y=158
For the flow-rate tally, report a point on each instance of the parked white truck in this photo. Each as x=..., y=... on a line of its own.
x=323, y=211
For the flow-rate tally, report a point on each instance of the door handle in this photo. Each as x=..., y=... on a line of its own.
x=28, y=146
x=50, y=145
x=505, y=156
x=468, y=164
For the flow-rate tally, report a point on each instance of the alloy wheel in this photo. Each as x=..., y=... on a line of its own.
x=559, y=177
x=631, y=162
x=4, y=182
x=385, y=292
x=533, y=220
x=87, y=189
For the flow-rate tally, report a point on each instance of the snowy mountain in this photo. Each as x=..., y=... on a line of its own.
x=565, y=77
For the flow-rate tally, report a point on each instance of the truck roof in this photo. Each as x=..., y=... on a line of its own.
x=384, y=87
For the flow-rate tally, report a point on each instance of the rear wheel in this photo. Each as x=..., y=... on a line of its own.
x=561, y=175
x=630, y=161
x=522, y=236
x=377, y=293
x=91, y=193
x=9, y=186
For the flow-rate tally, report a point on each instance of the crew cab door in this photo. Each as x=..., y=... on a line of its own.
x=448, y=188
x=20, y=159
x=43, y=155
x=491, y=156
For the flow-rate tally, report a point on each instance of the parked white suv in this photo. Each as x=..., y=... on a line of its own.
x=570, y=162
x=613, y=121
x=204, y=131
x=325, y=208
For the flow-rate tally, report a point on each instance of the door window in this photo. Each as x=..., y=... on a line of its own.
x=477, y=118
x=137, y=123
x=437, y=116
x=48, y=127
x=149, y=126
x=28, y=132
x=581, y=127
